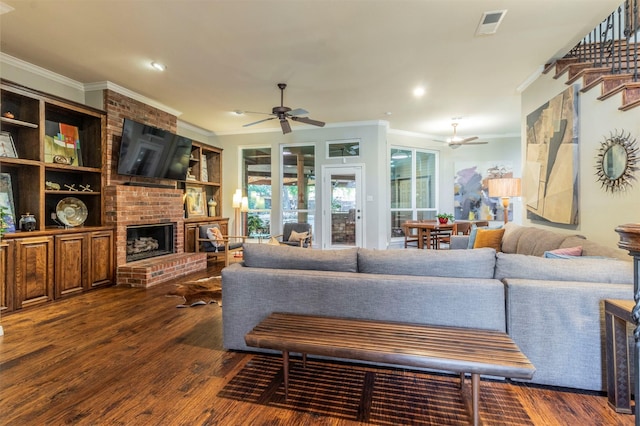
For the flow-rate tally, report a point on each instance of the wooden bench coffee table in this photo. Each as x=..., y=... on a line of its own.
x=455, y=349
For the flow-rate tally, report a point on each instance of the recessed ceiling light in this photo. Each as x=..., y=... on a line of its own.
x=158, y=66
x=238, y=112
x=418, y=92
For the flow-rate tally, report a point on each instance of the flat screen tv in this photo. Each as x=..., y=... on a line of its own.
x=152, y=152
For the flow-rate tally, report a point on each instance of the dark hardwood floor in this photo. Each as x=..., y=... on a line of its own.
x=124, y=356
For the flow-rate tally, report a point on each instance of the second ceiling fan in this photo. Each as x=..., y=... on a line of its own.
x=455, y=141
x=283, y=113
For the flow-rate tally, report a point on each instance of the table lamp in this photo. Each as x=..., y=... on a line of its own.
x=237, y=202
x=504, y=188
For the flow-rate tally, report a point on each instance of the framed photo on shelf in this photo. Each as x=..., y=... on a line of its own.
x=6, y=201
x=7, y=148
x=195, y=199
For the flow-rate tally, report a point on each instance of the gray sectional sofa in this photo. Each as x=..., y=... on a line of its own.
x=552, y=308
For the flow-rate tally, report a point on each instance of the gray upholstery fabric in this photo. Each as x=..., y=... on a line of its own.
x=284, y=257
x=552, y=307
x=250, y=294
x=298, y=227
x=559, y=326
x=578, y=269
x=478, y=263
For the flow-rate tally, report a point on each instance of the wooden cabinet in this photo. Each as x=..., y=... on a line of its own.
x=72, y=252
x=191, y=229
x=7, y=275
x=33, y=271
x=58, y=150
x=102, y=264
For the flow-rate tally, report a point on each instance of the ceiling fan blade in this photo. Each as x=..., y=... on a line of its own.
x=286, y=128
x=256, y=122
x=307, y=120
x=256, y=112
x=472, y=138
x=298, y=111
x=475, y=143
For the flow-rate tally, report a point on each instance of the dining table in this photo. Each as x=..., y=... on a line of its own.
x=428, y=230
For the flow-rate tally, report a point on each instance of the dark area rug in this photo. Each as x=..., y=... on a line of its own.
x=199, y=292
x=367, y=394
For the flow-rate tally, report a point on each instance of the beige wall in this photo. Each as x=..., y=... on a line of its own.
x=599, y=212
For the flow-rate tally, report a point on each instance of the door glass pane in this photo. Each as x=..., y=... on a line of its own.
x=425, y=173
x=400, y=179
x=298, y=184
x=257, y=186
x=343, y=209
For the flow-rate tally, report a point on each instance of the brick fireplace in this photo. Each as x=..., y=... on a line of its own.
x=134, y=206
x=129, y=205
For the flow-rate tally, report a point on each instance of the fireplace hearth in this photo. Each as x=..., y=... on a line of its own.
x=146, y=241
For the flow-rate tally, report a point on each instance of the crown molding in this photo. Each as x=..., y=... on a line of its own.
x=39, y=71
x=102, y=85
x=193, y=128
x=327, y=126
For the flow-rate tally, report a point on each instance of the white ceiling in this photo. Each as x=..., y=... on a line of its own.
x=343, y=61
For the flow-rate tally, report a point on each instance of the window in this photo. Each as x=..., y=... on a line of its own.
x=256, y=177
x=413, y=186
x=298, y=184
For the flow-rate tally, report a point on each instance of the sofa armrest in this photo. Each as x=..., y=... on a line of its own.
x=459, y=242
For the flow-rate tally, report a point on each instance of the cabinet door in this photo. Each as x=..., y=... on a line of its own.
x=71, y=263
x=190, y=230
x=34, y=271
x=6, y=276
x=101, y=269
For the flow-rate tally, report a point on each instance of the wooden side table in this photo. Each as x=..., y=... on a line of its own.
x=617, y=314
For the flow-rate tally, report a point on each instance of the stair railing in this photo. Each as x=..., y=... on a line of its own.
x=614, y=42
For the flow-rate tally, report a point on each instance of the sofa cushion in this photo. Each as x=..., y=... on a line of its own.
x=285, y=257
x=478, y=263
x=491, y=238
x=579, y=269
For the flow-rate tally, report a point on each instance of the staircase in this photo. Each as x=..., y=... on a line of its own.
x=607, y=58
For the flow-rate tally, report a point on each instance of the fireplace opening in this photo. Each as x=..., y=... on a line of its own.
x=145, y=241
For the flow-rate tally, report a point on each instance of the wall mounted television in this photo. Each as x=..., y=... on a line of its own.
x=152, y=152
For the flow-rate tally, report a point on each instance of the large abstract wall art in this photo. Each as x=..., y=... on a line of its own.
x=550, y=175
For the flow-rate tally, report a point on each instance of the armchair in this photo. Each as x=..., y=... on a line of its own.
x=295, y=234
x=211, y=241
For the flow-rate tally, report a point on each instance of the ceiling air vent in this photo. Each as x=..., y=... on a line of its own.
x=490, y=21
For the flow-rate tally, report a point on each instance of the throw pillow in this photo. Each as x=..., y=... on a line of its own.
x=273, y=241
x=296, y=237
x=215, y=236
x=491, y=238
x=564, y=252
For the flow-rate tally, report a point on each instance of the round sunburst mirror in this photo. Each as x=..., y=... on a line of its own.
x=616, y=161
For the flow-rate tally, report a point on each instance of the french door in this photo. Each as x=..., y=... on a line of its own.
x=342, y=219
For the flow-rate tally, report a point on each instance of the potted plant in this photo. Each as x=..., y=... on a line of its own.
x=444, y=217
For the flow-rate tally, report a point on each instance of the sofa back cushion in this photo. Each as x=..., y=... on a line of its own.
x=285, y=257
x=478, y=263
x=576, y=269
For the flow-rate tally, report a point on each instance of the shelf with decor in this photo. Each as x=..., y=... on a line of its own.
x=205, y=174
x=51, y=168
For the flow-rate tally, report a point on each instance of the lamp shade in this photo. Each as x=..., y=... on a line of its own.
x=244, y=206
x=237, y=198
x=504, y=187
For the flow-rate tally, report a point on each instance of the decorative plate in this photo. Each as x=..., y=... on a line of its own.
x=71, y=211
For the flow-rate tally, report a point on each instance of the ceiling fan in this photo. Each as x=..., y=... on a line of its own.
x=456, y=141
x=283, y=113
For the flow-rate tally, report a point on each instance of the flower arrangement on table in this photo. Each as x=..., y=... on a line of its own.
x=443, y=218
